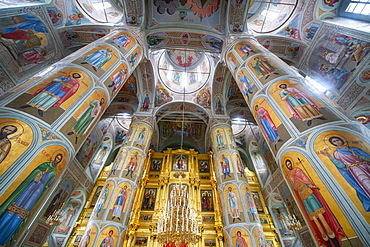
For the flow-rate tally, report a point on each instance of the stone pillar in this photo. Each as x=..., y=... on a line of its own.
x=218, y=216
x=321, y=151
x=114, y=207
x=46, y=119
x=240, y=218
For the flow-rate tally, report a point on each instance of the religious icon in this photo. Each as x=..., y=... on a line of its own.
x=96, y=196
x=225, y=165
x=133, y=57
x=122, y=40
x=118, y=161
x=70, y=213
x=87, y=118
x=263, y=68
x=233, y=202
x=250, y=203
x=146, y=102
x=132, y=164
x=218, y=105
x=108, y=237
x=120, y=202
x=17, y=207
x=141, y=136
x=240, y=241
x=5, y=144
x=282, y=222
x=239, y=165
x=267, y=125
x=99, y=58
x=59, y=199
x=257, y=202
x=85, y=240
x=156, y=165
x=245, y=48
x=219, y=138
x=247, y=85
x=118, y=79
x=149, y=199
x=299, y=104
x=206, y=200
x=180, y=162
x=128, y=135
x=55, y=93
x=353, y=164
x=324, y=224
x=101, y=201
x=203, y=166
x=259, y=237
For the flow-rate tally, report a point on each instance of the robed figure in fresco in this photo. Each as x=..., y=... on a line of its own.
x=240, y=241
x=120, y=202
x=251, y=207
x=86, y=118
x=98, y=58
x=5, y=144
x=54, y=94
x=108, y=241
x=225, y=166
x=141, y=136
x=268, y=126
x=132, y=164
x=118, y=79
x=323, y=223
x=101, y=201
x=354, y=165
x=122, y=40
x=85, y=241
x=263, y=67
x=299, y=104
x=220, y=141
x=233, y=205
x=15, y=210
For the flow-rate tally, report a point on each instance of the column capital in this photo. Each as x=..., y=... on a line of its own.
x=220, y=120
x=236, y=38
x=148, y=119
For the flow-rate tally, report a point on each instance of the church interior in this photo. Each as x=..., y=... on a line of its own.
x=185, y=123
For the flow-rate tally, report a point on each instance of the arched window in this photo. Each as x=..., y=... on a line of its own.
x=355, y=9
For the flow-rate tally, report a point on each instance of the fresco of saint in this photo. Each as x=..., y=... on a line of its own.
x=354, y=165
x=324, y=224
x=299, y=104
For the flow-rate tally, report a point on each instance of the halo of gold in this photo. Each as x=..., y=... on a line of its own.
x=80, y=72
x=286, y=170
x=361, y=117
x=277, y=84
x=328, y=144
x=64, y=159
x=19, y=126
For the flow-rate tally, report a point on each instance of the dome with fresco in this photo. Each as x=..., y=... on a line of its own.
x=183, y=70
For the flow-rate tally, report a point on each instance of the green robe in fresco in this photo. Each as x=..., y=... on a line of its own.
x=86, y=118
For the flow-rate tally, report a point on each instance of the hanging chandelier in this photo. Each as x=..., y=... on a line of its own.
x=178, y=226
x=293, y=223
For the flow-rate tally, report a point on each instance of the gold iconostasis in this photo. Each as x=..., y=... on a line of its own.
x=151, y=197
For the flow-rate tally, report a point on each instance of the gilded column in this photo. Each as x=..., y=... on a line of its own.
x=46, y=119
x=240, y=218
x=323, y=154
x=115, y=216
